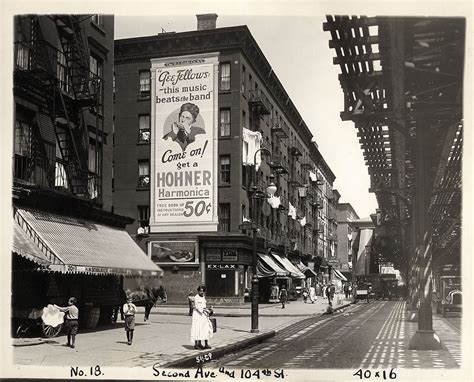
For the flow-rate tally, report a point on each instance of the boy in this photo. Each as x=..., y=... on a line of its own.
x=129, y=310
x=72, y=323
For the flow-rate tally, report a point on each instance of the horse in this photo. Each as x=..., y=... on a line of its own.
x=148, y=298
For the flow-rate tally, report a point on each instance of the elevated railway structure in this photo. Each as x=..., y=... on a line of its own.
x=402, y=82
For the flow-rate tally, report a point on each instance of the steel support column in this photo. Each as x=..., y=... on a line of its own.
x=425, y=338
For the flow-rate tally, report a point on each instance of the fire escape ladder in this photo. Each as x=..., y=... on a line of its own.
x=72, y=38
x=63, y=114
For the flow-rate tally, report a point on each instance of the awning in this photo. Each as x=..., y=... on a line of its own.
x=24, y=246
x=82, y=246
x=266, y=267
x=286, y=264
x=308, y=272
x=338, y=275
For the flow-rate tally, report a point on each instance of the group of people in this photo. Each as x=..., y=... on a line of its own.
x=202, y=327
x=327, y=291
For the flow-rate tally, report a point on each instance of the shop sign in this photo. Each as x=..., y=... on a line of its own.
x=98, y=270
x=222, y=266
x=213, y=254
x=229, y=254
x=184, y=149
x=174, y=252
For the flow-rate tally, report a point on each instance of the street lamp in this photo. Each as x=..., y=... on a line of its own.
x=271, y=189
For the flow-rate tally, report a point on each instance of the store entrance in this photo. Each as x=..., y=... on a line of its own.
x=220, y=283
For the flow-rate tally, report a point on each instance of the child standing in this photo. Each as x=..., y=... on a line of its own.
x=129, y=311
x=72, y=321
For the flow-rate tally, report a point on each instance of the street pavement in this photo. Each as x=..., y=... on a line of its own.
x=165, y=339
x=300, y=336
x=363, y=337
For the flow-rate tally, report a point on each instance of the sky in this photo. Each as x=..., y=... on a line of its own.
x=298, y=50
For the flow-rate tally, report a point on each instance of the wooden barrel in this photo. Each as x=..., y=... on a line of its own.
x=89, y=317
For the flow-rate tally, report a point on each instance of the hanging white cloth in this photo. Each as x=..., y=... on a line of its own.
x=313, y=176
x=291, y=211
x=251, y=144
x=302, y=192
x=303, y=221
x=274, y=201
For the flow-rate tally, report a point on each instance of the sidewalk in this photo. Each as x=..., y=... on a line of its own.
x=164, y=339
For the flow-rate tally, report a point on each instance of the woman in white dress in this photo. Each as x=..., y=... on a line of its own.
x=201, y=327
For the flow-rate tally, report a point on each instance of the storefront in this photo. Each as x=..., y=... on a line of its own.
x=55, y=257
x=228, y=270
x=222, y=263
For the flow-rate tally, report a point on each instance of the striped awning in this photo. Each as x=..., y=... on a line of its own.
x=308, y=272
x=286, y=264
x=268, y=268
x=77, y=245
x=25, y=247
x=338, y=275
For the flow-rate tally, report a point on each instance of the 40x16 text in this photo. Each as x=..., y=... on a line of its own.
x=380, y=374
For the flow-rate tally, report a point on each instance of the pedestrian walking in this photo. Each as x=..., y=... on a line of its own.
x=72, y=320
x=312, y=294
x=201, y=327
x=129, y=311
x=283, y=296
x=346, y=290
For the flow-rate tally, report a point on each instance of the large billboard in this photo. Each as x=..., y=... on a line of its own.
x=184, y=144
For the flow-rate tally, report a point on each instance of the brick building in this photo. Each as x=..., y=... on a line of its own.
x=249, y=99
x=66, y=240
x=346, y=215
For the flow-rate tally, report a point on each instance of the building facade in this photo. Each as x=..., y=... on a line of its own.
x=346, y=215
x=250, y=101
x=67, y=241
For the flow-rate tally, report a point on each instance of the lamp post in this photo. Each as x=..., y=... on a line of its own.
x=271, y=189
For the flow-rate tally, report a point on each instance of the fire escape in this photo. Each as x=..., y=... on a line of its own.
x=57, y=78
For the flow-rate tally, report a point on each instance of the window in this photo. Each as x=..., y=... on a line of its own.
x=243, y=87
x=94, y=167
x=225, y=76
x=224, y=161
x=98, y=20
x=113, y=85
x=224, y=217
x=244, y=119
x=144, y=128
x=225, y=122
x=23, y=56
x=143, y=174
x=97, y=73
x=96, y=66
x=22, y=147
x=62, y=73
x=22, y=138
x=143, y=216
x=145, y=83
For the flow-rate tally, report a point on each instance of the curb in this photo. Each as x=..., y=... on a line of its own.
x=190, y=361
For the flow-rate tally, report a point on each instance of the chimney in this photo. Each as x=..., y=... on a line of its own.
x=206, y=21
